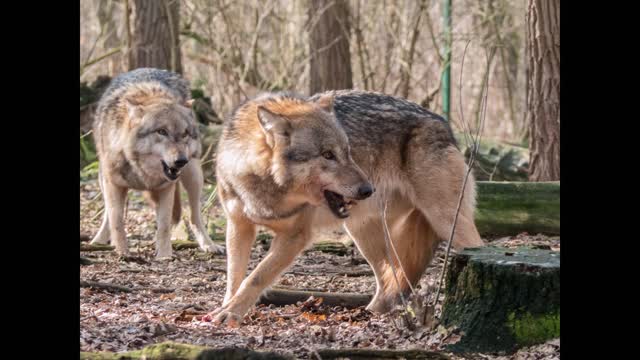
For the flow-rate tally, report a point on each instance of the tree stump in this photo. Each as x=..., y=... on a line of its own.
x=502, y=299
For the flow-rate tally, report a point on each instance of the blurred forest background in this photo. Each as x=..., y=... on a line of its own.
x=230, y=50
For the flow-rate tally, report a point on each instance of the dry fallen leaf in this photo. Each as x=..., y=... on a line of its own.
x=314, y=317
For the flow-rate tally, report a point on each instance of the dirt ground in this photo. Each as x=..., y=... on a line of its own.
x=168, y=299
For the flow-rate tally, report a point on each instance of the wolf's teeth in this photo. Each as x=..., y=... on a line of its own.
x=342, y=209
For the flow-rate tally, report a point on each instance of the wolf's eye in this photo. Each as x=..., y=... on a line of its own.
x=163, y=132
x=328, y=155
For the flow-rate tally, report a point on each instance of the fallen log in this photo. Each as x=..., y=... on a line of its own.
x=105, y=286
x=178, y=351
x=497, y=161
x=120, y=288
x=502, y=299
x=282, y=297
x=510, y=208
x=95, y=247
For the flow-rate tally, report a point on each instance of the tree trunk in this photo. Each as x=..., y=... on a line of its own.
x=155, y=41
x=543, y=94
x=503, y=299
x=109, y=29
x=329, y=46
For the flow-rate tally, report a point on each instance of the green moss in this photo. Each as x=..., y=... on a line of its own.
x=197, y=93
x=506, y=208
x=176, y=351
x=529, y=329
x=168, y=350
x=162, y=351
x=263, y=238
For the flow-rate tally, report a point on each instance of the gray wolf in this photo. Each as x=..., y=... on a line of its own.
x=147, y=139
x=293, y=164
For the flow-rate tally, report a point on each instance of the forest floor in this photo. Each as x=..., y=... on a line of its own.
x=168, y=299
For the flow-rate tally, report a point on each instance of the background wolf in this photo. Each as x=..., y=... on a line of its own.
x=147, y=139
x=293, y=164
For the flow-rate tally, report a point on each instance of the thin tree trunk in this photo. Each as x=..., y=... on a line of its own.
x=405, y=76
x=111, y=40
x=543, y=95
x=330, y=65
x=155, y=41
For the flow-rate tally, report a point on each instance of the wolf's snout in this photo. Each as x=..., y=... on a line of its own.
x=364, y=191
x=181, y=162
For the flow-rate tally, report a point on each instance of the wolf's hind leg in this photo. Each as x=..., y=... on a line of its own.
x=414, y=242
x=437, y=182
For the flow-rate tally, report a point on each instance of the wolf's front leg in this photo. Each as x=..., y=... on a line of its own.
x=114, y=202
x=103, y=236
x=285, y=247
x=241, y=234
x=193, y=181
x=163, y=199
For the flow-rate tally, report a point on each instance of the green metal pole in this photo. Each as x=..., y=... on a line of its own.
x=446, y=74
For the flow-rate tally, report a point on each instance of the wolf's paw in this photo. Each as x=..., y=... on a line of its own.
x=222, y=316
x=123, y=254
x=213, y=248
x=166, y=255
x=99, y=241
x=379, y=305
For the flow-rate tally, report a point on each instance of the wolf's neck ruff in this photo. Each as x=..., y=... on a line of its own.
x=273, y=215
x=262, y=199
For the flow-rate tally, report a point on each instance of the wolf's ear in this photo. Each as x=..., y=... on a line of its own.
x=325, y=102
x=134, y=109
x=276, y=127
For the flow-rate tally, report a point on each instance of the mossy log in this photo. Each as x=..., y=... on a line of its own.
x=497, y=161
x=364, y=354
x=332, y=247
x=503, y=299
x=202, y=108
x=184, y=244
x=509, y=208
x=176, y=351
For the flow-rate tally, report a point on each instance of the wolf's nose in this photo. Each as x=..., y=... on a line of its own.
x=181, y=162
x=365, y=191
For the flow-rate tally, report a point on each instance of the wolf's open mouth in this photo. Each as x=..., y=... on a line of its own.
x=169, y=172
x=337, y=203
